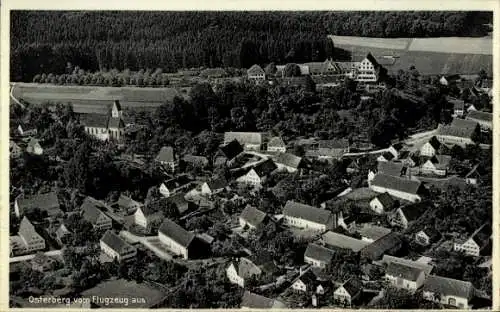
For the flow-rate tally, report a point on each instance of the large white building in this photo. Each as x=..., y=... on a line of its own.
x=308, y=217
x=175, y=238
x=401, y=188
x=105, y=127
x=116, y=248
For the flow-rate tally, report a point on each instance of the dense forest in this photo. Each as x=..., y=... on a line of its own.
x=172, y=40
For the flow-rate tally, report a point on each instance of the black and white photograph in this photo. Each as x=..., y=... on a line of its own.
x=259, y=159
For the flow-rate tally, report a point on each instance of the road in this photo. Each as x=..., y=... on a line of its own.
x=12, y=85
x=31, y=256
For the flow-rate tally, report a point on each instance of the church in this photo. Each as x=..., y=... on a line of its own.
x=105, y=127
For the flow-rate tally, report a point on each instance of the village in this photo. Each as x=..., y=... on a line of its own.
x=161, y=209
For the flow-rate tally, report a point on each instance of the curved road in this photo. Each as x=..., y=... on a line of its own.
x=12, y=85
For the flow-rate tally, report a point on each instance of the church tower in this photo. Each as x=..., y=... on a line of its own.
x=116, y=111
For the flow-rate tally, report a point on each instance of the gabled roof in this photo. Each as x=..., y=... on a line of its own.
x=334, y=144
x=479, y=115
x=94, y=120
x=116, y=243
x=455, y=131
x=91, y=209
x=125, y=201
x=374, y=232
x=395, y=183
x=318, y=252
x=180, y=202
x=352, y=286
x=166, y=154
x=196, y=160
x=395, y=169
x=254, y=301
x=386, y=200
x=217, y=183
x=448, y=286
x=116, y=105
x=176, y=232
x=116, y=123
x=255, y=70
x=27, y=230
x=244, y=137
x=441, y=161
x=177, y=182
x=306, y=212
x=33, y=143
x=426, y=268
x=338, y=240
x=265, y=168
x=308, y=278
x=231, y=149
x=388, y=156
x=482, y=235
x=404, y=271
x=45, y=202
x=252, y=215
x=381, y=246
x=434, y=143
x=276, y=142
x=414, y=211
x=289, y=160
x=246, y=268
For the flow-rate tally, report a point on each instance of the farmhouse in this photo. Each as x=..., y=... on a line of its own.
x=403, y=276
x=458, y=107
x=242, y=269
x=116, y=248
x=427, y=235
x=30, y=239
x=484, y=119
x=105, y=127
x=348, y=292
x=409, y=190
x=227, y=152
x=396, y=149
x=370, y=233
x=126, y=205
x=479, y=243
x=426, y=268
x=251, y=141
x=403, y=216
x=34, y=147
x=340, y=241
x=214, y=186
x=390, y=243
x=437, y=165
x=254, y=301
x=174, y=185
x=175, y=238
x=308, y=217
x=395, y=169
x=47, y=202
x=258, y=174
x=251, y=217
x=318, y=256
x=329, y=149
x=381, y=203
x=448, y=291
x=288, y=162
x=167, y=158
x=306, y=282
x=459, y=132
x=256, y=73
x=430, y=148
x=145, y=217
x=385, y=157
x=276, y=144
x=91, y=212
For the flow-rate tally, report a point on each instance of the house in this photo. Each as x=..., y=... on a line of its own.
x=254, y=301
x=368, y=70
x=91, y=211
x=459, y=132
x=388, y=244
x=306, y=282
x=418, y=264
x=146, y=218
x=484, y=119
x=258, y=174
x=31, y=241
x=242, y=270
x=116, y=248
x=403, y=276
x=478, y=244
x=382, y=203
x=181, y=203
x=126, y=205
x=251, y=141
x=24, y=131
x=63, y=234
x=430, y=148
x=288, y=162
x=386, y=156
x=167, y=158
x=407, y=214
x=105, y=127
x=437, y=165
x=174, y=185
x=214, y=186
x=471, y=108
x=448, y=79
x=336, y=240
x=370, y=233
x=330, y=149
x=213, y=73
x=47, y=203
x=401, y=188
x=325, y=68
x=175, y=238
x=34, y=147
x=396, y=149
x=318, y=256
x=280, y=70
x=251, y=217
x=42, y=263
x=228, y=152
x=256, y=73
x=308, y=217
x=276, y=144
x=448, y=291
x=427, y=235
x=408, y=159
x=15, y=150
x=458, y=107
x=348, y=292
x=395, y=169
x=200, y=162
x=473, y=177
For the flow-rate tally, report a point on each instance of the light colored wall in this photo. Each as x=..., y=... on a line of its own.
x=173, y=246
x=395, y=193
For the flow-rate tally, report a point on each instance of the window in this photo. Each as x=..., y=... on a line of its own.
x=452, y=301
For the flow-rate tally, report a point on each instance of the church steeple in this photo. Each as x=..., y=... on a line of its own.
x=116, y=111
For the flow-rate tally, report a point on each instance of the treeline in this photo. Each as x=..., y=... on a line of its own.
x=46, y=41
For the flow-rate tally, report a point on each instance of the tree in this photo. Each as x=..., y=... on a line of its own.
x=77, y=169
x=291, y=70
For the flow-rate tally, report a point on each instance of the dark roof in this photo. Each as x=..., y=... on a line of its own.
x=395, y=169
x=318, y=252
x=91, y=209
x=395, y=183
x=180, y=202
x=178, y=181
x=414, y=211
x=217, y=183
x=288, y=159
x=254, y=301
x=116, y=105
x=231, y=149
x=252, y=215
x=386, y=200
x=265, y=168
x=482, y=235
x=276, y=142
x=45, y=202
x=434, y=142
x=306, y=212
x=388, y=156
x=448, y=286
x=255, y=70
x=176, y=232
x=308, y=278
x=374, y=232
x=27, y=230
x=479, y=115
x=94, y=120
x=400, y=270
x=337, y=240
x=455, y=131
x=336, y=144
x=116, y=243
x=398, y=146
x=196, y=160
x=166, y=154
x=372, y=60
x=376, y=249
x=125, y=201
x=246, y=268
x=430, y=231
x=116, y=123
x=353, y=286
x=463, y=124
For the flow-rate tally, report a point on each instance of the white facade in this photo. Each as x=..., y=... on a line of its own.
x=251, y=177
x=98, y=132
x=163, y=189
x=299, y=286
x=377, y=206
x=113, y=254
x=244, y=223
x=422, y=238
x=459, y=302
x=173, y=246
x=427, y=150
x=403, y=283
x=304, y=224
x=371, y=176
x=429, y=168
x=233, y=276
x=282, y=167
x=35, y=243
x=103, y=222
x=140, y=219
x=448, y=139
x=281, y=149
x=342, y=295
x=469, y=247
x=365, y=72
x=314, y=262
x=399, y=219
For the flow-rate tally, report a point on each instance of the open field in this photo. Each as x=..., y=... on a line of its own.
x=91, y=99
x=431, y=56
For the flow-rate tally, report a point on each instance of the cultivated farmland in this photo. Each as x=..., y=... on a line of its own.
x=86, y=99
